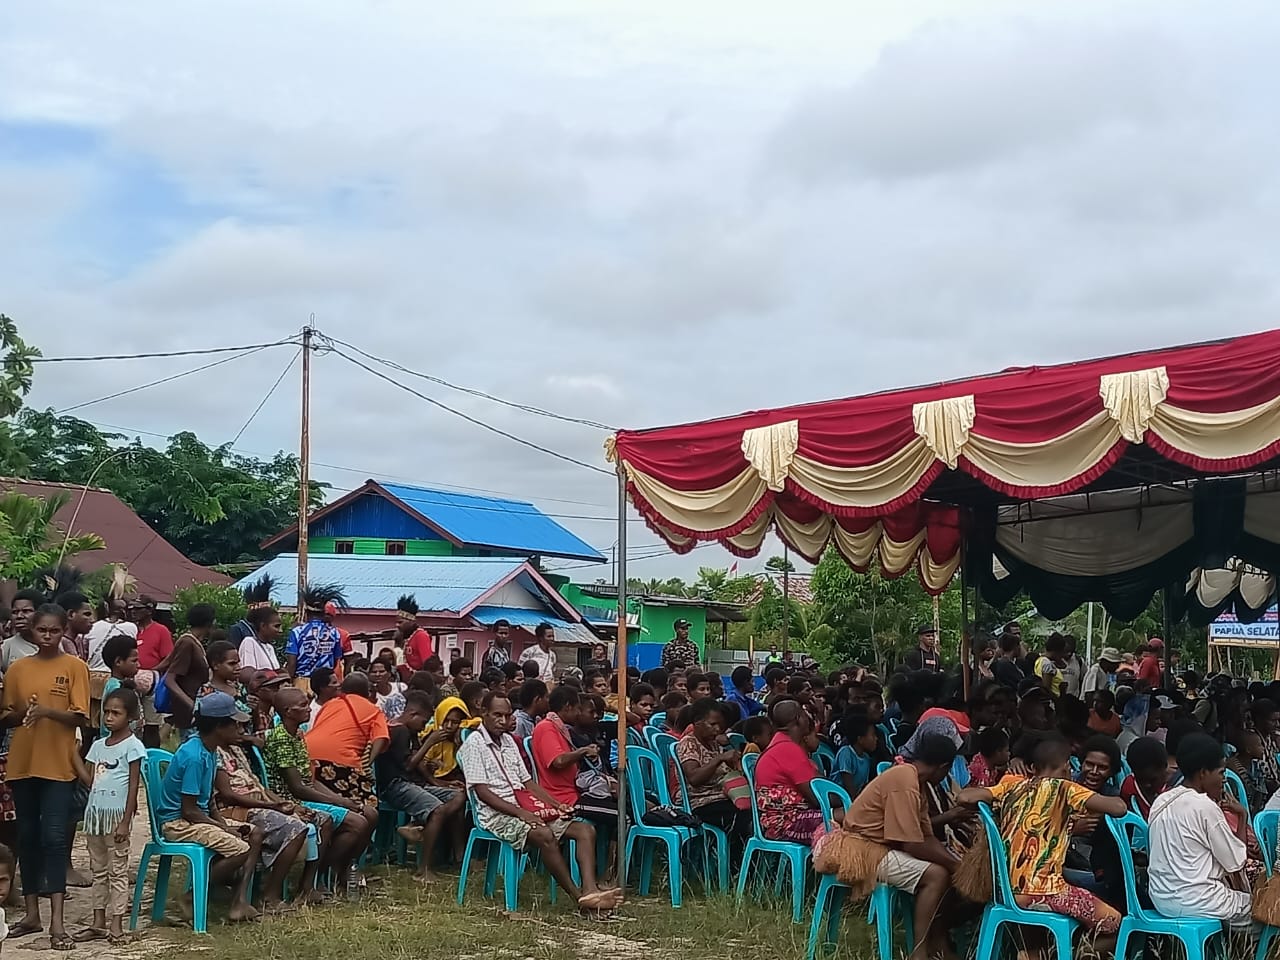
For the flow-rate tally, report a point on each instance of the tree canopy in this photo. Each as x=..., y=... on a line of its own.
x=214, y=505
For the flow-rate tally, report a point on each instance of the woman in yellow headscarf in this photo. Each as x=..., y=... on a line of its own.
x=451, y=717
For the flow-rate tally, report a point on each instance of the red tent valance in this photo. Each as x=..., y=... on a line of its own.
x=864, y=472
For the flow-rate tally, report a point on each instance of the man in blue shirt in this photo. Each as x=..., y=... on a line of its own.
x=313, y=644
x=743, y=687
x=184, y=811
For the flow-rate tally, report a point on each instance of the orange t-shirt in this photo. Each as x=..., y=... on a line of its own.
x=343, y=730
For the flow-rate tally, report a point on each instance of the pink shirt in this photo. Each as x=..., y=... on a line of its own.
x=784, y=763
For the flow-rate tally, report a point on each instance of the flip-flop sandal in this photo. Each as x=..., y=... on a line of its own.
x=62, y=944
x=123, y=940
x=89, y=934
x=23, y=930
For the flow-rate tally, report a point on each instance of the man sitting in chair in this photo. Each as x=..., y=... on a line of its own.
x=511, y=805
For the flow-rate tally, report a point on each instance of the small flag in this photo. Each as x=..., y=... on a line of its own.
x=734, y=568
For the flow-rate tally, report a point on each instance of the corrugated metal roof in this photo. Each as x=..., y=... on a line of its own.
x=566, y=632
x=494, y=522
x=376, y=583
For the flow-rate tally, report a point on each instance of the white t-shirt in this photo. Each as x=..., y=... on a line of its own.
x=14, y=649
x=100, y=633
x=1192, y=850
x=545, y=659
x=261, y=656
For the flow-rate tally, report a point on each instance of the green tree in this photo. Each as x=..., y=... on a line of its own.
x=227, y=601
x=779, y=565
x=30, y=540
x=214, y=506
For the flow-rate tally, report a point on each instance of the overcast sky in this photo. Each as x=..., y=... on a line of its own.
x=636, y=213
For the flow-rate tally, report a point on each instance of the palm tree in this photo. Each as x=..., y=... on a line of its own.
x=31, y=541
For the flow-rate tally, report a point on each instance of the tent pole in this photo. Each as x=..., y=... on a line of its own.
x=964, y=622
x=622, y=677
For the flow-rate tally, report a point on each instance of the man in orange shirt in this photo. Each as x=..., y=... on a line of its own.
x=346, y=737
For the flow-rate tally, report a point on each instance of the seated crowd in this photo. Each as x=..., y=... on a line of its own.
x=275, y=770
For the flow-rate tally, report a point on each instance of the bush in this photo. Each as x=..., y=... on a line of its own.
x=227, y=601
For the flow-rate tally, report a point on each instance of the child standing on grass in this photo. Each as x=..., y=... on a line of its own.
x=112, y=774
x=45, y=700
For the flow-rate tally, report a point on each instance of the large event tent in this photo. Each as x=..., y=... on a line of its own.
x=1102, y=480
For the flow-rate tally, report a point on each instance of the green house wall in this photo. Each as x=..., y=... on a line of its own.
x=377, y=547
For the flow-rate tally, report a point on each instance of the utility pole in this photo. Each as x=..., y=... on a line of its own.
x=304, y=465
x=786, y=600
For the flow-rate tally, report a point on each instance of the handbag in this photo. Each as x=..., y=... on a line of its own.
x=668, y=816
x=163, y=698
x=738, y=790
x=525, y=799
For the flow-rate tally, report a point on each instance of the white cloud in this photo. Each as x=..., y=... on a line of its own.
x=632, y=212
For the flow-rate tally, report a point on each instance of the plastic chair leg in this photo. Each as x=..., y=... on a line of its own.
x=675, y=872
x=1062, y=939
x=797, y=887
x=744, y=871
x=200, y=895
x=162, y=889
x=988, y=937
x=884, y=928
x=510, y=877
x=836, y=897
x=646, y=866
x=1122, y=939
x=466, y=868
x=1264, y=941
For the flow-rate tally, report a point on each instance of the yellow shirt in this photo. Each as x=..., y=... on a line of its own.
x=1047, y=668
x=1034, y=818
x=44, y=749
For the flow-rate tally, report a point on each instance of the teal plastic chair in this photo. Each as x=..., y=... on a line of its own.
x=886, y=902
x=1266, y=826
x=1130, y=831
x=504, y=860
x=829, y=905
x=663, y=743
x=644, y=771
x=719, y=838
x=793, y=858
x=1232, y=780
x=153, y=769
x=1003, y=909
x=738, y=741
x=825, y=758
x=959, y=774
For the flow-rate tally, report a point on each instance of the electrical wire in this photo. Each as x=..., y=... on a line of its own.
x=470, y=419
x=168, y=353
x=263, y=402
x=527, y=408
x=395, y=478
x=169, y=379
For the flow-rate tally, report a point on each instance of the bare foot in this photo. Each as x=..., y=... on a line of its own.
x=412, y=833
x=187, y=908
x=242, y=913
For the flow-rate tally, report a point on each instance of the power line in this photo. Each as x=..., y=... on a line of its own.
x=169, y=379
x=263, y=402
x=470, y=419
x=417, y=481
x=168, y=353
x=527, y=408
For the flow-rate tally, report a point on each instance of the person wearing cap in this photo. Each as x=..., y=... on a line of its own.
x=925, y=654
x=680, y=650
x=1102, y=674
x=313, y=644
x=184, y=810
x=1149, y=668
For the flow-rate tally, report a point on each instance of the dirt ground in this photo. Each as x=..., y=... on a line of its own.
x=79, y=910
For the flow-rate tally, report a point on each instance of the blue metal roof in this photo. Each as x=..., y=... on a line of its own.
x=494, y=522
x=376, y=583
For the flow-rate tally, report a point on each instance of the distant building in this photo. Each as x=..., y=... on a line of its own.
x=394, y=520
x=460, y=598
x=159, y=568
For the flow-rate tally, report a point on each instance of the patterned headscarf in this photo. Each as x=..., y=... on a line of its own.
x=934, y=726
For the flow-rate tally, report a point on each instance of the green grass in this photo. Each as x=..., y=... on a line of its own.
x=402, y=920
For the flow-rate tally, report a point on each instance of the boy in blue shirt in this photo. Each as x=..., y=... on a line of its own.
x=186, y=815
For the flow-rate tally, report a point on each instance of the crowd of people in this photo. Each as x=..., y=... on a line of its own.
x=287, y=764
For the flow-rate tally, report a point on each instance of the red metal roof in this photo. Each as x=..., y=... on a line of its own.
x=158, y=566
